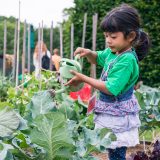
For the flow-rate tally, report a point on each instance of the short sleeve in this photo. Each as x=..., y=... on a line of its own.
x=101, y=56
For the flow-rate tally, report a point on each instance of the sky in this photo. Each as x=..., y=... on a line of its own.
x=36, y=11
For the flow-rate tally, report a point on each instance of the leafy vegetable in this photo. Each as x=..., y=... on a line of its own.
x=9, y=121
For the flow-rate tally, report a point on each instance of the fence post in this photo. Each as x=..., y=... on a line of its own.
x=84, y=30
x=72, y=40
x=17, y=68
x=29, y=49
x=94, y=34
x=15, y=48
x=51, y=45
x=4, y=49
x=61, y=41
x=24, y=51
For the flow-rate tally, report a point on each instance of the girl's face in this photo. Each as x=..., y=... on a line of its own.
x=117, y=42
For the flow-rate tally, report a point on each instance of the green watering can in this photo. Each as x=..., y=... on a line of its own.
x=65, y=66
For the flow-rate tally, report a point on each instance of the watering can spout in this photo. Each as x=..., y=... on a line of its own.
x=60, y=91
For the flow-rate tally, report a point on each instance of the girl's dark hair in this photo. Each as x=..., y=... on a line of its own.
x=126, y=19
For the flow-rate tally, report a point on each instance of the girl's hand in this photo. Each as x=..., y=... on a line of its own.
x=76, y=80
x=90, y=55
x=83, y=52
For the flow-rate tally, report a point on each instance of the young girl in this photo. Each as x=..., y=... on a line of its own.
x=116, y=106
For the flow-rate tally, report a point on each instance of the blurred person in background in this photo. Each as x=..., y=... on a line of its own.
x=41, y=57
x=56, y=59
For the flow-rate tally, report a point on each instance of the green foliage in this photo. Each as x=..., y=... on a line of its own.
x=51, y=126
x=5, y=151
x=9, y=121
x=24, y=149
x=11, y=22
x=50, y=120
x=150, y=65
x=5, y=83
x=149, y=100
x=41, y=103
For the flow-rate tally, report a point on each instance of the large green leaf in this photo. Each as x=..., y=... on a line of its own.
x=149, y=100
x=9, y=121
x=92, y=140
x=99, y=137
x=148, y=96
x=51, y=133
x=41, y=103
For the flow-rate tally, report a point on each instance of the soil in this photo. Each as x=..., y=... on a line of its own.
x=103, y=156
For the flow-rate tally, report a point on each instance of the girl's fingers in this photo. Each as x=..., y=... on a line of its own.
x=78, y=51
x=82, y=55
x=68, y=83
x=73, y=72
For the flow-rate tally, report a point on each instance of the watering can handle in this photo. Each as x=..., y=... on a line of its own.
x=78, y=59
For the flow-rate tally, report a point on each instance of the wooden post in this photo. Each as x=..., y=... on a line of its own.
x=144, y=145
x=72, y=40
x=61, y=47
x=17, y=68
x=40, y=59
x=29, y=49
x=15, y=48
x=41, y=39
x=84, y=33
x=40, y=42
x=51, y=44
x=39, y=52
x=4, y=48
x=24, y=51
x=61, y=41
x=39, y=55
x=94, y=34
x=84, y=30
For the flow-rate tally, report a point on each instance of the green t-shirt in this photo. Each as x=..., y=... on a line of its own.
x=124, y=72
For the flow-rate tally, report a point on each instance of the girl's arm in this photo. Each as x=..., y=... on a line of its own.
x=90, y=55
x=79, y=78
